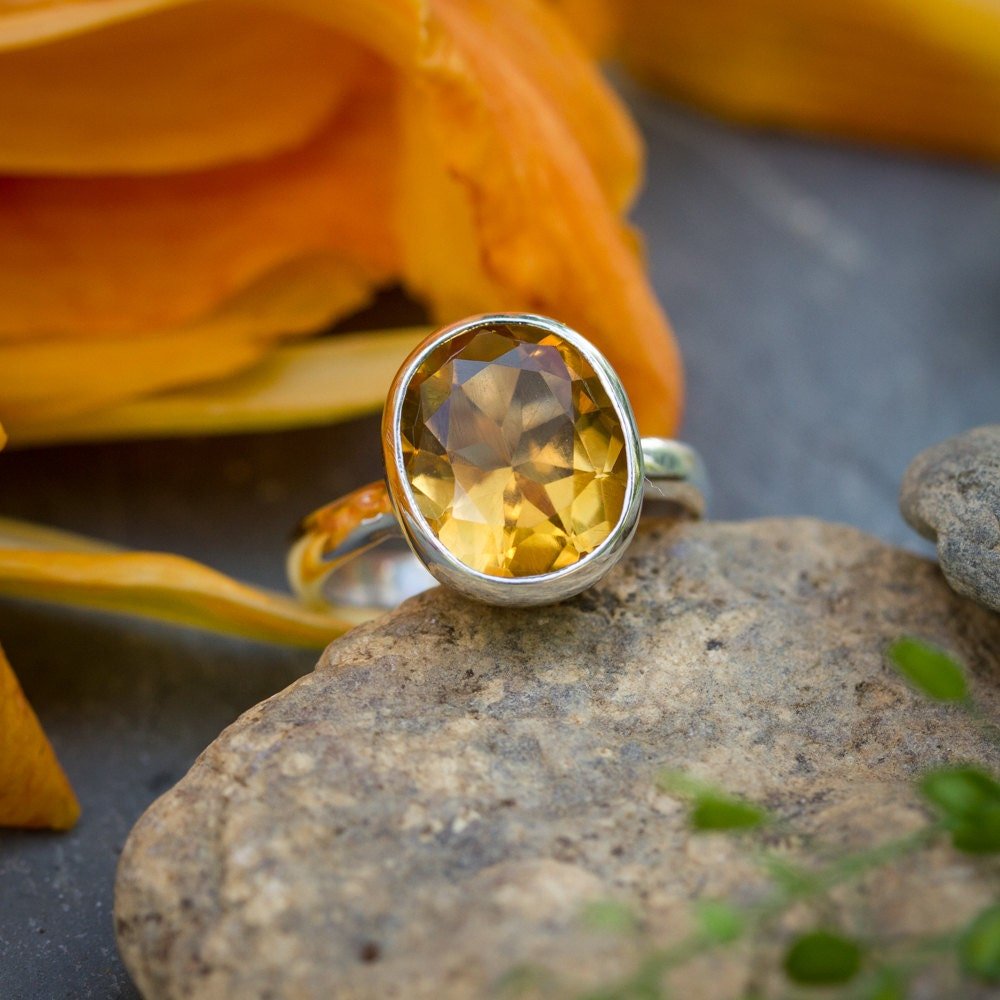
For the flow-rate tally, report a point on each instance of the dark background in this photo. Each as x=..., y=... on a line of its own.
x=838, y=310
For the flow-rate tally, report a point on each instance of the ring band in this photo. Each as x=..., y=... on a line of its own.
x=514, y=472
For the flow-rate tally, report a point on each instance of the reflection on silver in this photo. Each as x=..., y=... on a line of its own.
x=380, y=578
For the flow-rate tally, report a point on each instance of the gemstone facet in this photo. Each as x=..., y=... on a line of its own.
x=513, y=450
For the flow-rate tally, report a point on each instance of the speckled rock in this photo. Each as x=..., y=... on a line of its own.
x=951, y=495
x=436, y=804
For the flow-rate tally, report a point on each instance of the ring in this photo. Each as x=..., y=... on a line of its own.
x=515, y=473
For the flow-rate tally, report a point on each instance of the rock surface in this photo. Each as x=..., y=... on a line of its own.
x=435, y=805
x=951, y=495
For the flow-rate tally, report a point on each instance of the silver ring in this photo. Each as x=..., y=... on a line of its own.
x=515, y=473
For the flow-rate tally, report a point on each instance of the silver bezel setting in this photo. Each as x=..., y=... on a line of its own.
x=547, y=588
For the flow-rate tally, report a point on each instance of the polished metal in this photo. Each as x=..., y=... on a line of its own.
x=658, y=468
x=674, y=473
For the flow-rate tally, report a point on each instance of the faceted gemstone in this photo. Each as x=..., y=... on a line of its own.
x=513, y=450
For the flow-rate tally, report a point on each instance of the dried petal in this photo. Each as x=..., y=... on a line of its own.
x=34, y=791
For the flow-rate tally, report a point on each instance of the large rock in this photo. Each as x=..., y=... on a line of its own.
x=435, y=805
x=951, y=495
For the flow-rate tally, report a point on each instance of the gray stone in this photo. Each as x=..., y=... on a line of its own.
x=435, y=805
x=951, y=495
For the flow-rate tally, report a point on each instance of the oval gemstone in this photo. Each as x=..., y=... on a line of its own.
x=513, y=450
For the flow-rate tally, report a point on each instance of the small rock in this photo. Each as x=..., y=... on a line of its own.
x=435, y=806
x=951, y=495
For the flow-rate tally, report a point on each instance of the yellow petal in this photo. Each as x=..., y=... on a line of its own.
x=34, y=791
x=168, y=588
x=299, y=385
x=44, y=383
x=17, y=534
x=920, y=73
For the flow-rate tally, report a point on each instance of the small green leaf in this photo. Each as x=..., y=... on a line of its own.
x=888, y=985
x=969, y=802
x=679, y=784
x=979, y=948
x=720, y=922
x=960, y=791
x=929, y=669
x=609, y=915
x=719, y=812
x=711, y=808
x=821, y=958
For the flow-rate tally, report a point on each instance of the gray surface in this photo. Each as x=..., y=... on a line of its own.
x=839, y=310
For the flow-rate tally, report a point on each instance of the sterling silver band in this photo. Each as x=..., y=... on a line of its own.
x=375, y=568
x=359, y=551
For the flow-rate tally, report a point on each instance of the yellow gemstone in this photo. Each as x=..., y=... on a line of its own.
x=513, y=450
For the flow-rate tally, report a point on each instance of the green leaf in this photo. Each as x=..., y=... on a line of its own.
x=711, y=808
x=822, y=958
x=720, y=922
x=609, y=915
x=969, y=802
x=929, y=669
x=888, y=985
x=979, y=948
x=719, y=812
x=679, y=784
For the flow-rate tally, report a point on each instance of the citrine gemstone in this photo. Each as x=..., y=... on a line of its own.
x=513, y=450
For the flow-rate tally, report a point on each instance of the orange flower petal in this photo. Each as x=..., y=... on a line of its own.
x=122, y=255
x=34, y=791
x=549, y=58
x=476, y=155
x=921, y=73
x=594, y=22
x=161, y=93
x=485, y=140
